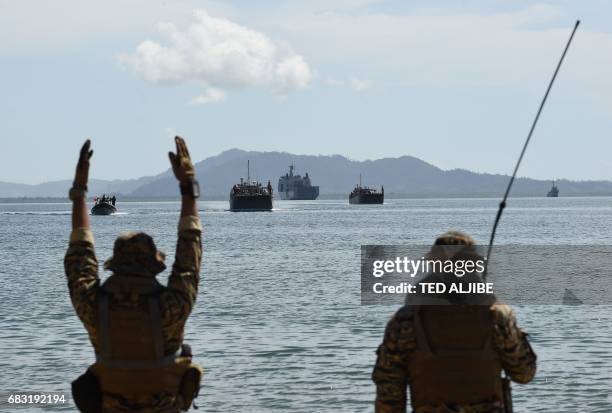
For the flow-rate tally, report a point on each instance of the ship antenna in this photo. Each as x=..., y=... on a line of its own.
x=502, y=204
x=359, y=180
x=249, y=171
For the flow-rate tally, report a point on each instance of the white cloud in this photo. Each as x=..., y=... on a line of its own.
x=34, y=26
x=211, y=95
x=332, y=81
x=446, y=49
x=359, y=85
x=219, y=54
x=354, y=83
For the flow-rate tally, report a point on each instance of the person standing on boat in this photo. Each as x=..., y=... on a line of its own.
x=451, y=356
x=135, y=324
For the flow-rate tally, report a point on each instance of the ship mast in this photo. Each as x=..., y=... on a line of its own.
x=359, y=180
x=249, y=171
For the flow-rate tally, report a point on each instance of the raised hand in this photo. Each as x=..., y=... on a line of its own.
x=181, y=161
x=82, y=170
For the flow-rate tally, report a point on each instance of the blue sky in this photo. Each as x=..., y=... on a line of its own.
x=453, y=83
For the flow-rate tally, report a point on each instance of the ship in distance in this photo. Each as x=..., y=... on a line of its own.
x=554, y=191
x=104, y=205
x=250, y=195
x=296, y=187
x=365, y=195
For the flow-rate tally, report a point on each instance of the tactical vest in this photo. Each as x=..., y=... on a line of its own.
x=130, y=359
x=455, y=362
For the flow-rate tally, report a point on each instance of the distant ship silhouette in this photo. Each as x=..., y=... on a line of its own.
x=554, y=191
x=569, y=298
x=364, y=195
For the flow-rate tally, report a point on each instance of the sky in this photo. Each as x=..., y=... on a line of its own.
x=456, y=84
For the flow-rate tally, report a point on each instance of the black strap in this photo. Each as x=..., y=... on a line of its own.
x=104, y=326
x=155, y=316
x=138, y=365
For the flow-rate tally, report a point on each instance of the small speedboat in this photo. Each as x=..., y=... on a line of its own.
x=104, y=206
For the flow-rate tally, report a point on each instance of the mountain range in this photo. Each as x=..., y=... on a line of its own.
x=335, y=175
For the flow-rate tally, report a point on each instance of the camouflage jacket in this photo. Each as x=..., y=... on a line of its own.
x=391, y=374
x=176, y=300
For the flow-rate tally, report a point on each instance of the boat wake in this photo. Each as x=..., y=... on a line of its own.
x=35, y=213
x=109, y=215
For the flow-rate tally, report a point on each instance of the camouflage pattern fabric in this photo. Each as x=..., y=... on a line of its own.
x=136, y=253
x=391, y=373
x=177, y=299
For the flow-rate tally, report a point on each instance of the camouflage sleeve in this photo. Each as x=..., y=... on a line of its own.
x=178, y=299
x=517, y=356
x=390, y=372
x=81, y=267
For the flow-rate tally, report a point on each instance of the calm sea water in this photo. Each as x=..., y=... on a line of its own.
x=278, y=325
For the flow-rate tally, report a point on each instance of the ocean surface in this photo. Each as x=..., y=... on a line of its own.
x=278, y=324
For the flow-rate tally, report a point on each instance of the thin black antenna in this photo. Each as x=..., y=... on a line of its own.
x=502, y=204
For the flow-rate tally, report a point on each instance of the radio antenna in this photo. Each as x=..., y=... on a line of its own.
x=502, y=204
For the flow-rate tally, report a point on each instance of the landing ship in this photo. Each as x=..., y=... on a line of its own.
x=250, y=195
x=365, y=195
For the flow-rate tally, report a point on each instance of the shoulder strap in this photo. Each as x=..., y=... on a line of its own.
x=421, y=337
x=103, y=325
x=155, y=316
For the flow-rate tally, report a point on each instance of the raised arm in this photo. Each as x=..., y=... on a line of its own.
x=179, y=298
x=80, y=263
x=185, y=173
x=78, y=193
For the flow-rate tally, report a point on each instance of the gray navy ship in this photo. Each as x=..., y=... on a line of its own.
x=554, y=191
x=296, y=187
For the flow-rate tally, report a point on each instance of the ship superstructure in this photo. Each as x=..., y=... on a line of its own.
x=554, y=191
x=296, y=187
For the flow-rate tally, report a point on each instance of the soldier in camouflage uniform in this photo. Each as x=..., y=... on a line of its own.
x=135, y=324
x=451, y=356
